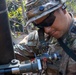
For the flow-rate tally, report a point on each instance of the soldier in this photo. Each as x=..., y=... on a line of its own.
x=52, y=16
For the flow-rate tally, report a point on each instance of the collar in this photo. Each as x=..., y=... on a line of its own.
x=65, y=36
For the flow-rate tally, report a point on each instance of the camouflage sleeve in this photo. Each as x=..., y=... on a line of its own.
x=73, y=37
x=27, y=46
x=71, y=70
x=33, y=39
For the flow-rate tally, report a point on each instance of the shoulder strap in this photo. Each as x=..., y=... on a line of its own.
x=67, y=50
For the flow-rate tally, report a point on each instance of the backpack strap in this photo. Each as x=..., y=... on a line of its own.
x=67, y=50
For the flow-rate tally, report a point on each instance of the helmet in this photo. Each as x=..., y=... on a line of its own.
x=36, y=9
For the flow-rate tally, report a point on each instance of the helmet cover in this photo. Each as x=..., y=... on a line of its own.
x=36, y=9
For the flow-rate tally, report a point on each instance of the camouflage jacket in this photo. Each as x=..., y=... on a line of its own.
x=71, y=43
x=66, y=65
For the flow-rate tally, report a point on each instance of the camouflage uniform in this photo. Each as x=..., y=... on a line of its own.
x=70, y=38
x=67, y=66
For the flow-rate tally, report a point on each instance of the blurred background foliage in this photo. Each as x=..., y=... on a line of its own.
x=71, y=6
x=16, y=13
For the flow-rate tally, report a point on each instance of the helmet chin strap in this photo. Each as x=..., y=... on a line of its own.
x=64, y=6
x=67, y=50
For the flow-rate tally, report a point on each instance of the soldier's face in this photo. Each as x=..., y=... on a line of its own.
x=59, y=26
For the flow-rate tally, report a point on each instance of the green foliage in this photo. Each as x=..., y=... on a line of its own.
x=15, y=14
x=71, y=6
